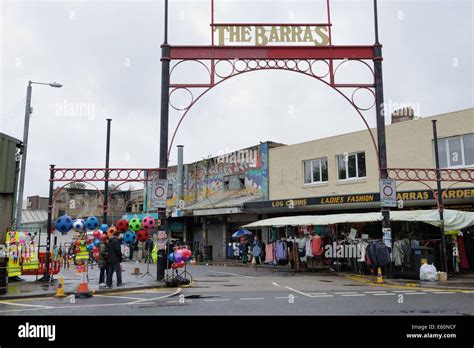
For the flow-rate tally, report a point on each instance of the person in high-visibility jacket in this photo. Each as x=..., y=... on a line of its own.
x=82, y=253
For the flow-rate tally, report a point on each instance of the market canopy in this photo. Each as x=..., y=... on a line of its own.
x=453, y=219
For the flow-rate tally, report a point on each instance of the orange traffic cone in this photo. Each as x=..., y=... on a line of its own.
x=60, y=288
x=379, y=276
x=83, y=289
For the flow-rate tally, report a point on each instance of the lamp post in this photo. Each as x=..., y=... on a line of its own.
x=28, y=112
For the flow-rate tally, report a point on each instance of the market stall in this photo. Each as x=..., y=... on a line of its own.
x=356, y=242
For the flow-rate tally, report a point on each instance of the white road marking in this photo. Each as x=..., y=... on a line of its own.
x=443, y=292
x=285, y=297
x=346, y=292
x=177, y=301
x=317, y=293
x=374, y=292
x=353, y=295
x=294, y=290
x=415, y=293
x=404, y=291
x=124, y=297
x=251, y=298
x=234, y=274
x=322, y=296
x=24, y=305
x=86, y=306
x=156, y=298
x=386, y=294
x=217, y=299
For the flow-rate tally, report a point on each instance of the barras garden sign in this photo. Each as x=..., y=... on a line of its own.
x=261, y=35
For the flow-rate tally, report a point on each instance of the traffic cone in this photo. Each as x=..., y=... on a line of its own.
x=83, y=289
x=60, y=288
x=379, y=276
x=136, y=271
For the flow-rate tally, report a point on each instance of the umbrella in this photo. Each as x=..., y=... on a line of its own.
x=241, y=233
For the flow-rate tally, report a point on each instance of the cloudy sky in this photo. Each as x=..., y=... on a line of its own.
x=107, y=56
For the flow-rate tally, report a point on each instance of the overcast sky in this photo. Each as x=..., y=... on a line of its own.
x=107, y=55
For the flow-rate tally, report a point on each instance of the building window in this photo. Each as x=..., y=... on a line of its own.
x=315, y=170
x=351, y=166
x=234, y=182
x=456, y=151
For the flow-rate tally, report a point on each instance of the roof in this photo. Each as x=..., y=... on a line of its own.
x=33, y=216
x=453, y=219
x=225, y=202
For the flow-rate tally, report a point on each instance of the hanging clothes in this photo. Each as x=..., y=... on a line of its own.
x=317, y=246
x=462, y=252
x=269, y=252
x=309, y=251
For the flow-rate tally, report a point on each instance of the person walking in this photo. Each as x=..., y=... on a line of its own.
x=114, y=259
x=257, y=250
x=103, y=261
x=244, y=249
x=148, y=249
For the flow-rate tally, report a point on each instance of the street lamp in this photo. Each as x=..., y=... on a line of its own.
x=28, y=112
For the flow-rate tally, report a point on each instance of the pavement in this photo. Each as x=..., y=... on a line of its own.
x=465, y=282
x=262, y=291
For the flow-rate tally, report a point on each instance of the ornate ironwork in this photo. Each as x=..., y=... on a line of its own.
x=430, y=174
x=98, y=174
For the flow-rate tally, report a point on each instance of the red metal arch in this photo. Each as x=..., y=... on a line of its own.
x=210, y=87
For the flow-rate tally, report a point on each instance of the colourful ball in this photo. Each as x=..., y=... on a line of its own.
x=96, y=233
x=178, y=255
x=187, y=254
x=78, y=225
x=64, y=223
x=89, y=247
x=104, y=227
x=122, y=225
x=135, y=224
x=142, y=235
x=181, y=264
x=97, y=242
x=129, y=237
x=171, y=257
x=92, y=223
x=110, y=231
x=148, y=222
x=102, y=237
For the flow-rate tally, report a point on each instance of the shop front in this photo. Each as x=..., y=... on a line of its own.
x=355, y=242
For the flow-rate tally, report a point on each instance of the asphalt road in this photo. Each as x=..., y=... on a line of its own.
x=246, y=291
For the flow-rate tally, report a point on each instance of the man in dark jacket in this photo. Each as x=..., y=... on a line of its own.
x=114, y=259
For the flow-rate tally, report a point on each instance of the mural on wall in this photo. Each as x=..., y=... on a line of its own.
x=233, y=174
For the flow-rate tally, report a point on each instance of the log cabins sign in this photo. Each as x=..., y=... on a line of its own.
x=276, y=35
x=466, y=194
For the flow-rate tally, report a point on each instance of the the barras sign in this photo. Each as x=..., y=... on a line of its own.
x=261, y=35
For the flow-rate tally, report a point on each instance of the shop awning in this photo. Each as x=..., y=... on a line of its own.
x=453, y=219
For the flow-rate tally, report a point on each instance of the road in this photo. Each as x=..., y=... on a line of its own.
x=246, y=291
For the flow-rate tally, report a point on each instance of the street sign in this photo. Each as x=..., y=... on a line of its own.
x=388, y=194
x=158, y=194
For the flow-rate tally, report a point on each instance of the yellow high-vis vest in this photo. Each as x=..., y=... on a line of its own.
x=83, y=254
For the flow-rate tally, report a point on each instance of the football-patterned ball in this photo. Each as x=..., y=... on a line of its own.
x=78, y=225
x=135, y=224
x=122, y=225
x=148, y=223
x=92, y=223
x=64, y=223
